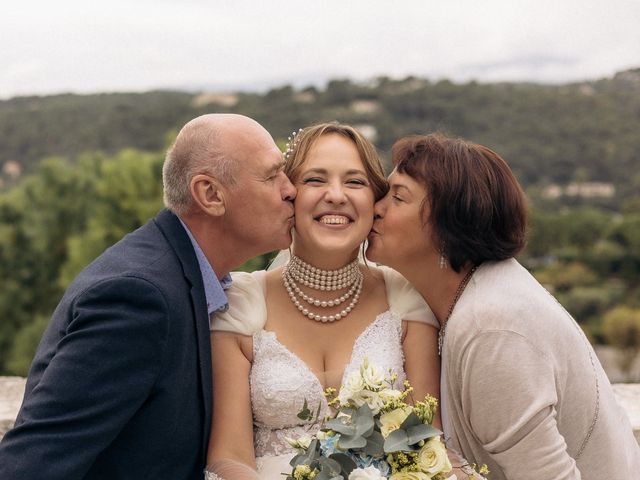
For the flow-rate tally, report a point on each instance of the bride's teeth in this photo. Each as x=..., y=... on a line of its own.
x=334, y=220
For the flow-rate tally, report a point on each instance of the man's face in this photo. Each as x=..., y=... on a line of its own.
x=259, y=208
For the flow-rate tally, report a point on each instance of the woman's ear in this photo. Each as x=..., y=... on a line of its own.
x=208, y=194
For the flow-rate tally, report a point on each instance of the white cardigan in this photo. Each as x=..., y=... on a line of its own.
x=524, y=391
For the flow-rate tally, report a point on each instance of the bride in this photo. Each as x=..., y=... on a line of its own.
x=293, y=331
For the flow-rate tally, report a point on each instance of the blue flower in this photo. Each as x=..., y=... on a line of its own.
x=328, y=445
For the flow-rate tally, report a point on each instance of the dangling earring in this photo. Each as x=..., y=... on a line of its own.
x=442, y=262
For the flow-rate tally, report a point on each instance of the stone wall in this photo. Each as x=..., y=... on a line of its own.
x=12, y=389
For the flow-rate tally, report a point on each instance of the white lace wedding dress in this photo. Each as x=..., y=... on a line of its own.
x=281, y=382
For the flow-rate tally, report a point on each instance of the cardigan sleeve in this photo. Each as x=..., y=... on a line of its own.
x=509, y=394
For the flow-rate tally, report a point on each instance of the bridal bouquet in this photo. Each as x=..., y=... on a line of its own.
x=375, y=434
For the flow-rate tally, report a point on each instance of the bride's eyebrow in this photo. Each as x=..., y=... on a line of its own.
x=323, y=171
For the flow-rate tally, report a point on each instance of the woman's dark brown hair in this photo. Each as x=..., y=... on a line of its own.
x=477, y=209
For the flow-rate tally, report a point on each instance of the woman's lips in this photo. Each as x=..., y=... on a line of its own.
x=331, y=219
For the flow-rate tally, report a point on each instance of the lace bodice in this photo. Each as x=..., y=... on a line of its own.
x=281, y=381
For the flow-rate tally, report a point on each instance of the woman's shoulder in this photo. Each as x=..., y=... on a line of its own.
x=247, y=311
x=403, y=298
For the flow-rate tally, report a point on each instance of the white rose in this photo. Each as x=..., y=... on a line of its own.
x=433, y=459
x=392, y=420
x=390, y=394
x=372, y=376
x=300, y=443
x=372, y=399
x=369, y=473
x=352, y=385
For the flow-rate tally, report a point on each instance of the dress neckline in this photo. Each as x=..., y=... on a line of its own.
x=354, y=348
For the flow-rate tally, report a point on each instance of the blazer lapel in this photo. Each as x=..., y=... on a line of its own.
x=179, y=240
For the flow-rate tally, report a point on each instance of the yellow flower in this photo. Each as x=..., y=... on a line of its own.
x=303, y=472
x=433, y=459
x=409, y=476
x=392, y=420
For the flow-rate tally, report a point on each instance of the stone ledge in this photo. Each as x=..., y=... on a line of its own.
x=12, y=389
x=11, y=392
x=628, y=396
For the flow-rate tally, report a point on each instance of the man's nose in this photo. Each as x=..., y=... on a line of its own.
x=289, y=191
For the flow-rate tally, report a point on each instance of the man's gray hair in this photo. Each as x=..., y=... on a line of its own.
x=195, y=151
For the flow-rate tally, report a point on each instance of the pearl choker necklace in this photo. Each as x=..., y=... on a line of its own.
x=297, y=270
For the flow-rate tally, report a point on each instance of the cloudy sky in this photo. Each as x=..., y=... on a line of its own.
x=131, y=45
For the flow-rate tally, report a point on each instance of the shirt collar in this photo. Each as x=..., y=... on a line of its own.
x=213, y=288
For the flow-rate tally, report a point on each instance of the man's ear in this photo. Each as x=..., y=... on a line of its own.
x=208, y=194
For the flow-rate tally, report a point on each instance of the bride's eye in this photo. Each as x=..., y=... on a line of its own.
x=358, y=182
x=313, y=180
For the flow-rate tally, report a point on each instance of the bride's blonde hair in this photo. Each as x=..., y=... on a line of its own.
x=303, y=140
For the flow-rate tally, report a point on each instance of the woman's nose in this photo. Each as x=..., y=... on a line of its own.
x=378, y=209
x=335, y=193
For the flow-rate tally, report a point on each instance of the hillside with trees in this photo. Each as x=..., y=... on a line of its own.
x=79, y=171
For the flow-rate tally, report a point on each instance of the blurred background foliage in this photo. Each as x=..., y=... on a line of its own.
x=77, y=172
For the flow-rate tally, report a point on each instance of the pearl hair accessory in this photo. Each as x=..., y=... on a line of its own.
x=291, y=144
x=297, y=270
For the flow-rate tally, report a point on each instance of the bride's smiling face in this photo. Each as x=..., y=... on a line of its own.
x=334, y=204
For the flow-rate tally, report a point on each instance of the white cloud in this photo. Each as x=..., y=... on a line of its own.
x=132, y=45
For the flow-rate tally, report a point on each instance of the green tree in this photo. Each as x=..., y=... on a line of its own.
x=128, y=192
x=36, y=217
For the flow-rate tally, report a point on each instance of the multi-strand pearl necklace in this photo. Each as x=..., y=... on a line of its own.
x=298, y=271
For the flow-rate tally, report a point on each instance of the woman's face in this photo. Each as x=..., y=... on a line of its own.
x=399, y=237
x=334, y=204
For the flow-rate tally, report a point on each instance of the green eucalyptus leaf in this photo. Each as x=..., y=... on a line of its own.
x=305, y=413
x=375, y=444
x=397, y=441
x=339, y=425
x=363, y=420
x=307, y=458
x=330, y=465
x=411, y=421
x=346, y=463
x=352, y=441
x=348, y=411
x=421, y=432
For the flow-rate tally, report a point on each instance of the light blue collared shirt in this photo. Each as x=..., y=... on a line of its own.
x=213, y=288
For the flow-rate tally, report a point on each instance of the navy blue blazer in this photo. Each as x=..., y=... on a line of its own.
x=120, y=386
